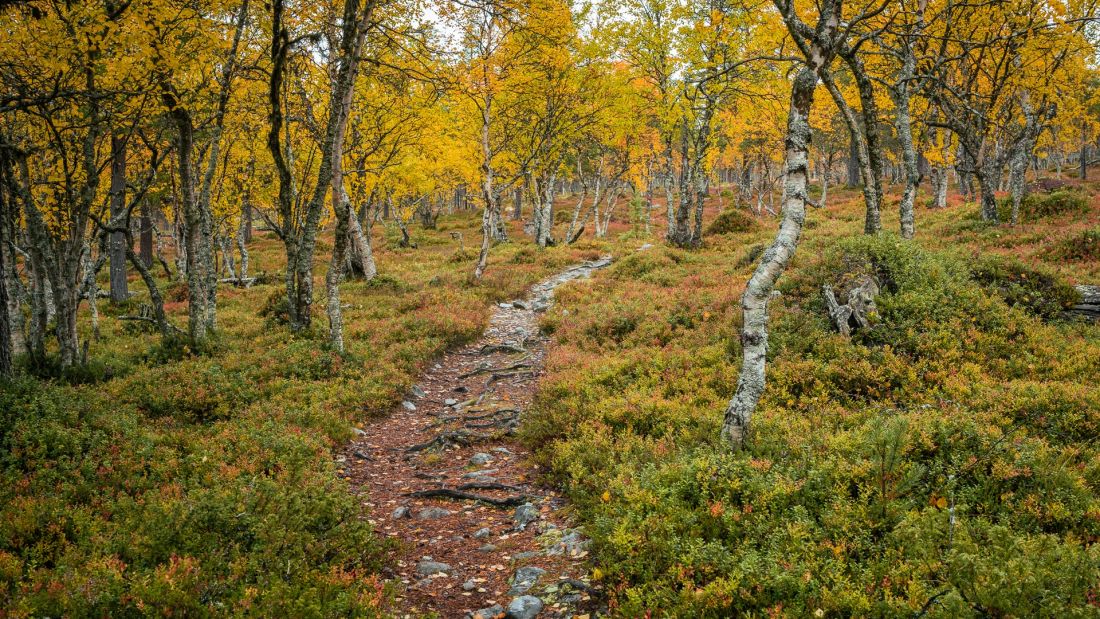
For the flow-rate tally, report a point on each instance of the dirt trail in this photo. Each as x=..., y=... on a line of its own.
x=443, y=475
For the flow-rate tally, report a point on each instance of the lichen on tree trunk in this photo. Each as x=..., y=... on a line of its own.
x=754, y=301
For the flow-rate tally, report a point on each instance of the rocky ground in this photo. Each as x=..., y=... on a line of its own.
x=442, y=475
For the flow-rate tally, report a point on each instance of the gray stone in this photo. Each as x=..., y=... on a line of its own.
x=450, y=401
x=524, y=607
x=523, y=556
x=407, y=405
x=432, y=513
x=505, y=305
x=480, y=459
x=570, y=545
x=487, y=548
x=400, y=512
x=524, y=515
x=359, y=431
x=491, y=612
x=502, y=450
x=481, y=473
x=519, y=305
x=482, y=533
x=417, y=392
x=427, y=567
x=524, y=578
x=469, y=585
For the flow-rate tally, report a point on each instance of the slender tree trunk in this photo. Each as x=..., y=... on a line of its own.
x=12, y=306
x=155, y=298
x=488, y=222
x=146, y=234
x=119, y=288
x=853, y=162
x=1084, y=163
x=702, y=190
x=754, y=301
x=347, y=71
x=902, y=122
x=572, y=234
x=196, y=262
x=6, y=347
x=90, y=288
x=865, y=134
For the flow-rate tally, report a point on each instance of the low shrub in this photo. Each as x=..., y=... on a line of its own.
x=732, y=220
x=1066, y=201
x=1083, y=247
x=940, y=462
x=1037, y=291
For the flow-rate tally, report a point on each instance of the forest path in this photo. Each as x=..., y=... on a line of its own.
x=443, y=476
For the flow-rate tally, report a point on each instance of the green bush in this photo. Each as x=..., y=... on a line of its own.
x=1067, y=201
x=732, y=220
x=1037, y=291
x=1083, y=247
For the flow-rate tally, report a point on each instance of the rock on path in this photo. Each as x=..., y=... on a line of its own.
x=421, y=471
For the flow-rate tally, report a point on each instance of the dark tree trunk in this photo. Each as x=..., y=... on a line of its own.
x=146, y=235
x=5, y=317
x=853, y=163
x=517, y=210
x=1084, y=156
x=119, y=288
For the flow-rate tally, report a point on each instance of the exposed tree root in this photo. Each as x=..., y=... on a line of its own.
x=486, y=370
x=489, y=486
x=492, y=413
x=489, y=349
x=447, y=493
x=450, y=437
x=502, y=375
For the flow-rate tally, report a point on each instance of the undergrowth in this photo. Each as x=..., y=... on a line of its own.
x=168, y=480
x=942, y=462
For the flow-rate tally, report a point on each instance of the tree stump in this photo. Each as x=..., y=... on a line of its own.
x=855, y=314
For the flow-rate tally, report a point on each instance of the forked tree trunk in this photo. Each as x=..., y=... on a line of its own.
x=570, y=236
x=754, y=302
x=987, y=174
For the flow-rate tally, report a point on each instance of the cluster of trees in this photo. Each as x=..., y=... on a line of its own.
x=989, y=76
x=127, y=129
